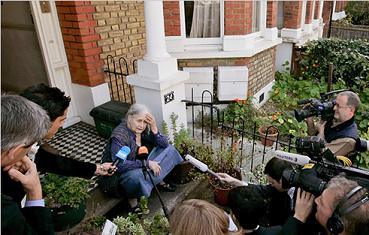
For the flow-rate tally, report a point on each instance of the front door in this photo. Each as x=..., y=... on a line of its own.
x=33, y=50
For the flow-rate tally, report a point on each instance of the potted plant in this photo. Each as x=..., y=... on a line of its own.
x=268, y=134
x=226, y=160
x=66, y=197
x=181, y=141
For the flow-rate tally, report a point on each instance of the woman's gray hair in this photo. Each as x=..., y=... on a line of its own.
x=136, y=109
x=22, y=122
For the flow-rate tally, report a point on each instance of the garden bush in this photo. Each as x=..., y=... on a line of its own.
x=357, y=12
x=351, y=69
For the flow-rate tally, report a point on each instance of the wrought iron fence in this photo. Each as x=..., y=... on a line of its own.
x=117, y=71
x=218, y=128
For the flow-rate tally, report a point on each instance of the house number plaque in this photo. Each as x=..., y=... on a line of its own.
x=168, y=97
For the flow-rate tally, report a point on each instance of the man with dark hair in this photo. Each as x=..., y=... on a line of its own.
x=56, y=104
x=22, y=124
x=248, y=207
x=340, y=134
x=278, y=198
x=343, y=208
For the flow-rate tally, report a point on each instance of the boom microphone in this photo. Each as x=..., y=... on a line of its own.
x=293, y=157
x=200, y=165
x=120, y=156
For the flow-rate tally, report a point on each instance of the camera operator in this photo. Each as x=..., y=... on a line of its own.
x=343, y=207
x=340, y=133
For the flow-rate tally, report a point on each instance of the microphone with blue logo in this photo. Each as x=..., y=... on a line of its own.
x=121, y=155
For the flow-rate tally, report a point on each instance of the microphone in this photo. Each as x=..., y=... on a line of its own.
x=121, y=156
x=200, y=165
x=293, y=157
x=142, y=155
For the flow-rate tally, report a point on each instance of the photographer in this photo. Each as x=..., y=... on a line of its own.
x=248, y=206
x=340, y=133
x=343, y=207
x=280, y=203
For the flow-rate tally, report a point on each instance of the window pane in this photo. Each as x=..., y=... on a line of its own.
x=202, y=19
x=255, y=16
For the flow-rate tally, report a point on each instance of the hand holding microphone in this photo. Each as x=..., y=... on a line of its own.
x=121, y=155
x=200, y=165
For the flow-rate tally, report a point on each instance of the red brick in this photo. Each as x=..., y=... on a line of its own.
x=92, y=51
x=69, y=38
x=83, y=9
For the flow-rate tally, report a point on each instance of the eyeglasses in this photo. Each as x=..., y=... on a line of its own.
x=29, y=145
x=341, y=107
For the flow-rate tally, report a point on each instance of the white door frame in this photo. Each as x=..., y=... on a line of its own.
x=53, y=52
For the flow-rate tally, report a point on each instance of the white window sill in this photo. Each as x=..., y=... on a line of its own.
x=251, y=48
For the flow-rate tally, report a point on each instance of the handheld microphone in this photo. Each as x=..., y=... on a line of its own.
x=200, y=165
x=121, y=155
x=142, y=155
x=293, y=157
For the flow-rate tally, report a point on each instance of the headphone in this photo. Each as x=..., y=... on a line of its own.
x=334, y=223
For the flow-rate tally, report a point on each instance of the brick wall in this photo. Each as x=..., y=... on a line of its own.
x=237, y=17
x=272, y=12
x=121, y=26
x=309, y=12
x=292, y=14
x=327, y=5
x=172, y=23
x=261, y=67
x=80, y=42
x=317, y=7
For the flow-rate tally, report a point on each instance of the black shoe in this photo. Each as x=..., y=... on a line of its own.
x=167, y=187
x=138, y=210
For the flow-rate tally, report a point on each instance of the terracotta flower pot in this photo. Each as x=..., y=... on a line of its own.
x=269, y=138
x=220, y=193
x=221, y=190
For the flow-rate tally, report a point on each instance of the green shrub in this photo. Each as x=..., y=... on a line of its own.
x=357, y=12
x=351, y=69
x=64, y=191
x=136, y=225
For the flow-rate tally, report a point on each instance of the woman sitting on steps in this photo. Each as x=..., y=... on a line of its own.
x=139, y=129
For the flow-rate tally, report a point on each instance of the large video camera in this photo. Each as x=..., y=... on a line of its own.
x=320, y=166
x=322, y=108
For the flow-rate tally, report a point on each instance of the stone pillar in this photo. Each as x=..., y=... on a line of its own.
x=158, y=84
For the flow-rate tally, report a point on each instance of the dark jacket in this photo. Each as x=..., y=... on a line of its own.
x=346, y=129
x=279, y=205
x=46, y=161
x=29, y=220
x=292, y=227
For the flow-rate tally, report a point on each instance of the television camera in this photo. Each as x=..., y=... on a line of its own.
x=315, y=107
x=319, y=166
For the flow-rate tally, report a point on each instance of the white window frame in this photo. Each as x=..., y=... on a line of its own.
x=201, y=41
x=226, y=45
x=303, y=13
x=313, y=13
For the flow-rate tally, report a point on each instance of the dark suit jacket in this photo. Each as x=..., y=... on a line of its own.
x=47, y=161
x=291, y=227
x=279, y=205
x=29, y=220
